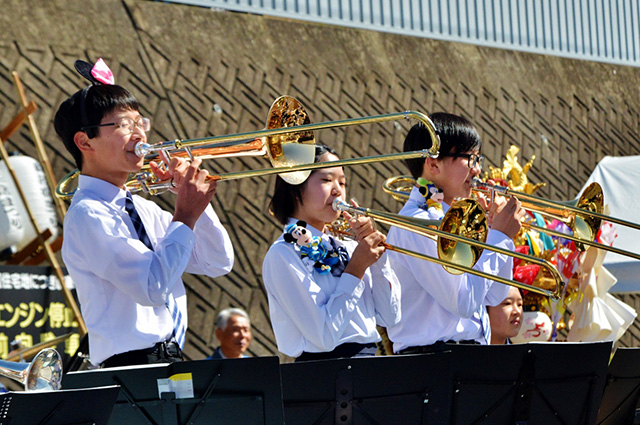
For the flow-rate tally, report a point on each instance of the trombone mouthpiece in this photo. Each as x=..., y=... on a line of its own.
x=339, y=205
x=142, y=149
x=476, y=183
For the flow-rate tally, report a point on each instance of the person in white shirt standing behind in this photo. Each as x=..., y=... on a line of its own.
x=439, y=307
x=125, y=254
x=326, y=296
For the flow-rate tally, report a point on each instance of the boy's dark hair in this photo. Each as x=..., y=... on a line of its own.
x=457, y=135
x=285, y=195
x=99, y=100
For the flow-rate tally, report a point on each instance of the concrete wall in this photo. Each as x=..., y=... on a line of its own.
x=181, y=61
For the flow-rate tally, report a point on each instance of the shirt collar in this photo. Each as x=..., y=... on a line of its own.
x=101, y=188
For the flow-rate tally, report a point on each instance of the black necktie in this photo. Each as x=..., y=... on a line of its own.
x=343, y=255
x=137, y=223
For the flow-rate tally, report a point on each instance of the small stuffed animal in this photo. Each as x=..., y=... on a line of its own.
x=297, y=233
x=311, y=247
x=432, y=194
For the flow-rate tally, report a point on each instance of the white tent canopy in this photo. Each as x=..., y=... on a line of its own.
x=620, y=181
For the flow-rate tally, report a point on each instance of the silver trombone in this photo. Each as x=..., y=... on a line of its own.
x=42, y=374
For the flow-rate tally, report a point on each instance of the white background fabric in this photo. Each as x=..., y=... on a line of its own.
x=620, y=179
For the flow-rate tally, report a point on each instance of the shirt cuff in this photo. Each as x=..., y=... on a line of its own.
x=352, y=284
x=180, y=233
x=497, y=238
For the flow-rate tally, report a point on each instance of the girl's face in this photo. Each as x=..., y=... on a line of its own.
x=321, y=188
x=506, y=318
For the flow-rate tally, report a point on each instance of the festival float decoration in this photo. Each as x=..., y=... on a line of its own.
x=595, y=314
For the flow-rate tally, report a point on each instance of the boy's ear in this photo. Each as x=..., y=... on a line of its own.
x=82, y=141
x=432, y=166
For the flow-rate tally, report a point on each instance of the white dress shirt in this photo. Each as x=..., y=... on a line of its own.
x=315, y=312
x=122, y=285
x=437, y=305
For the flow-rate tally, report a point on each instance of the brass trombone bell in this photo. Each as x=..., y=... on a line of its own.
x=460, y=236
x=42, y=374
x=289, y=147
x=583, y=216
x=282, y=150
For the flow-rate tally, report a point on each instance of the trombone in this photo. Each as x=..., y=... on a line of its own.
x=583, y=216
x=465, y=222
x=287, y=141
x=43, y=373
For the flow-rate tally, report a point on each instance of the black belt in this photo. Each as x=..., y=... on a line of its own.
x=161, y=352
x=346, y=350
x=437, y=346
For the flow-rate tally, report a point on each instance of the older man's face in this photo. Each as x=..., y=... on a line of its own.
x=235, y=338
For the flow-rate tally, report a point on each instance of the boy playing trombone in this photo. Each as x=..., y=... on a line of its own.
x=126, y=255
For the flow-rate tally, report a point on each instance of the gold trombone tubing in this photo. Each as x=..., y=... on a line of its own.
x=587, y=225
x=143, y=148
x=185, y=144
x=423, y=227
x=141, y=182
x=400, y=186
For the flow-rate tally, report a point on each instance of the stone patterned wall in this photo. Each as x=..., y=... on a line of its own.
x=199, y=72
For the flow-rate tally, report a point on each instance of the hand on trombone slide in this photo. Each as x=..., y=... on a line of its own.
x=190, y=185
x=371, y=244
x=361, y=226
x=502, y=214
x=369, y=250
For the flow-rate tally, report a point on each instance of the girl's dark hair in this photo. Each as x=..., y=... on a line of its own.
x=99, y=100
x=457, y=135
x=286, y=195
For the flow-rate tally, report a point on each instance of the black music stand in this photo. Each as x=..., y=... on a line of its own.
x=536, y=383
x=226, y=391
x=622, y=391
x=386, y=390
x=64, y=407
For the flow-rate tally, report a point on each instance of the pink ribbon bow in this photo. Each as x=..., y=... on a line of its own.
x=102, y=73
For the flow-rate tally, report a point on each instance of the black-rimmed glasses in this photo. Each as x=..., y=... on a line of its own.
x=126, y=124
x=472, y=158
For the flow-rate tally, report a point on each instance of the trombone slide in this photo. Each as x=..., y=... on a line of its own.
x=257, y=143
x=424, y=228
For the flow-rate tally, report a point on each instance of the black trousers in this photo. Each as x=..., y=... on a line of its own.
x=161, y=352
x=347, y=350
x=436, y=347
